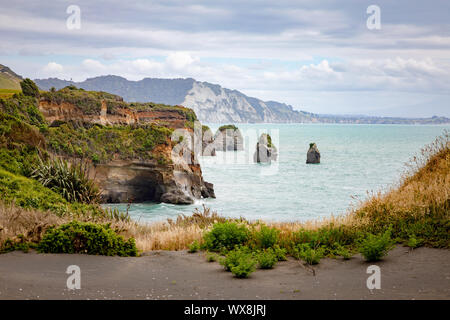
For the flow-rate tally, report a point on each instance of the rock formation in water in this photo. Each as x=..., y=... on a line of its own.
x=229, y=138
x=208, y=145
x=265, y=150
x=130, y=145
x=313, y=155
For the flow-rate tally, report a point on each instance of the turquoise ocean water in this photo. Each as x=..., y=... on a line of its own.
x=355, y=159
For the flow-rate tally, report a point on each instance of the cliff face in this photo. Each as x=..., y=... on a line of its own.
x=149, y=170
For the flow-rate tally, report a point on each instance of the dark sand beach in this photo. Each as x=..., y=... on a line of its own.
x=423, y=273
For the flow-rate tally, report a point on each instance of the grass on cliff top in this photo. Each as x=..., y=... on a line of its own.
x=105, y=143
x=8, y=93
x=90, y=102
x=228, y=127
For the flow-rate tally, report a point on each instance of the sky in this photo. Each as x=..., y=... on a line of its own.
x=318, y=56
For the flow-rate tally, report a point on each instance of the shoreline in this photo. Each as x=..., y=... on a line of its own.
x=421, y=273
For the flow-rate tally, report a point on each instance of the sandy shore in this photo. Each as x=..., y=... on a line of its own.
x=423, y=273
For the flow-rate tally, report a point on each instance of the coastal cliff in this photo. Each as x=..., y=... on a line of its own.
x=129, y=145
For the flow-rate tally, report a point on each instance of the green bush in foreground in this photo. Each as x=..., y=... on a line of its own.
x=226, y=235
x=211, y=257
x=375, y=247
x=244, y=268
x=280, y=253
x=88, y=238
x=413, y=242
x=194, y=247
x=309, y=255
x=240, y=262
x=266, y=237
x=267, y=259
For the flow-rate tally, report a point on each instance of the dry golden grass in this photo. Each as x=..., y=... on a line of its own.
x=16, y=221
x=423, y=190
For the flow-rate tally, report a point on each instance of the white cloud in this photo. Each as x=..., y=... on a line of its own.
x=180, y=60
x=53, y=69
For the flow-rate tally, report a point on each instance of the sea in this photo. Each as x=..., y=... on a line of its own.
x=357, y=160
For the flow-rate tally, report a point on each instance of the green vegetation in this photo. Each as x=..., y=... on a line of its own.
x=413, y=242
x=226, y=236
x=266, y=237
x=70, y=181
x=28, y=193
x=228, y=127
x=266, y=137
x=239, y=261
x=90, y=102
x=22, y=108
x=309, y=255
x=374, y=247
x=29, y=88
x=88, y=238
x=267, y=259
x=9, y=79
x=280, y=253
x=211, y=257
x=104, y=143
x=8, y=93
x=194, y=247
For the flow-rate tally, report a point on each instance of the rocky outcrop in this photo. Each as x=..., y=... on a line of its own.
x=265, y=151
x=313, y=155
x=135, y=181
x=208, y=145
x=229, y=138
x=66, y=112
x=164, y=176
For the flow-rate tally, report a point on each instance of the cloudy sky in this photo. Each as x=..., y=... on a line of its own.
x=318, y=56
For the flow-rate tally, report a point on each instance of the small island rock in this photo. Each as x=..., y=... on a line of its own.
x=313, y=155
x=265, y=151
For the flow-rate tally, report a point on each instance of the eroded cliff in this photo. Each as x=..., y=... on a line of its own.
x=129, y=145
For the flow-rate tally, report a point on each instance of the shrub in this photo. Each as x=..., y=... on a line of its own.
x=29, y=88
x=244, y=268
x=280, y=253
x=71, y=181
x=240, y=262
x=374, y=247
x=413, y=242
x=309, y=255
x=211, y=257
x=226, y=235
x=266, y=237
x=267, y=259
x=194, y=247
x=88, y=238
x=342, y=251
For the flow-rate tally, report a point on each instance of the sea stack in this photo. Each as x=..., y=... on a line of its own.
x=265, y=151
x=208, y=145
x=313, y=155
x=229, y=138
